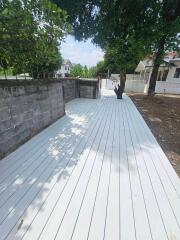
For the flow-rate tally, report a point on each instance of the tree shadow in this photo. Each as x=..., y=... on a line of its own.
x=61, y=157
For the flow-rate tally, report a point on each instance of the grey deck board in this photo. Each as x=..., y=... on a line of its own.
x=97, y=173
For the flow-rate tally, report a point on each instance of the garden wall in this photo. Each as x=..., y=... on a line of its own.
x=139, y=86
x=27, y=107
x=70, y=89
x=89, y=88
x=80, y=88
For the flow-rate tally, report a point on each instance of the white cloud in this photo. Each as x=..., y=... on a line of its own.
x=84, y=53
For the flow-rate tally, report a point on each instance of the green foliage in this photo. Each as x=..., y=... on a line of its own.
x=101, y=67
x=77, y=71
x=124, y=54
x=30, y=35
x=92, y=72
x=8, y=71
x=85, y=72
x=126, y=29
x=81, y=15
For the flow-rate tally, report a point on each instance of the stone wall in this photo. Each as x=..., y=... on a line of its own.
x=70, y=89
x=88, y=88
x=80, y=88
x=27, y=107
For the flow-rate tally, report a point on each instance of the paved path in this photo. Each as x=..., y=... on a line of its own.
x=97, y=173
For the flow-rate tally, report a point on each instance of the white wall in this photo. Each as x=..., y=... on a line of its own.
x=131, y=85
x=168, y=87
x=137, y=86
x=140, y=86
x=133, y=76
x=170, y=76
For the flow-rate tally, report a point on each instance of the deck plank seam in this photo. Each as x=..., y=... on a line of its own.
x=104, y=233
x=32, y=200
x=99, y=179
x=42, y=162
x=150, y=136
x=57, y=202
x=46, y=141
x=127, y=158
x=163, y=188
x=42, y=135
x=154, y=192
x=80, y=175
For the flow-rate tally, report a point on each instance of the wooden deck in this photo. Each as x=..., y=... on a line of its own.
x=97, y=174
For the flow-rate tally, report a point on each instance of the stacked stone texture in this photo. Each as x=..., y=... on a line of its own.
x=27, y=109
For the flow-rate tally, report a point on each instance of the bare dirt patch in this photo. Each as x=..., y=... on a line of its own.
x=162, y=114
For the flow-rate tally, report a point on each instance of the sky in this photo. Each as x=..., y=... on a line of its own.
x=84, y=53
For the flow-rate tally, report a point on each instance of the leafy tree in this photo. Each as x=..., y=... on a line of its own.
x=114, y=28
x=85, y=72
x=92, y=72
x=77, y=70
x=81, y=15
x=165, y=34
x=101, y=67
x=30, y=34
x=152, y=24
x=123, y=57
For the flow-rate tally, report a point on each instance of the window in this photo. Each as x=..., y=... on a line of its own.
x=164, y=76
x=177, y=73
x=159, y=76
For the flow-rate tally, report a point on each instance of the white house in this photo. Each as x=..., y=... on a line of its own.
x=168, y=79
x=174, y=70
x=65, y=69
x=144, y=69
x=168, y=71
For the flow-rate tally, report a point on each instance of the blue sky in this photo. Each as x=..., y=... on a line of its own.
x=84, y=53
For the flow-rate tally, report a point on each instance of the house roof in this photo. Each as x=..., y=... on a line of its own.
x=172, y=61
x=171, y=55
x=67, y=62
x=148, y=62
x=175, y=60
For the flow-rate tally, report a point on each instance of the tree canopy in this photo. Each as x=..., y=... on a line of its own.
x=31, y=32
x=127, y=29
x=82, y=71
x=77, y=71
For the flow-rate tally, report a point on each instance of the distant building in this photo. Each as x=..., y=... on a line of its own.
x=169, y=70
x=65, y=69
x=168, y=78
x=174, y=70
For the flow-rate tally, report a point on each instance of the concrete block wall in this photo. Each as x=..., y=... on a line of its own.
x=83, y=88
x=89, y=88
x=70, y=89
x=86, y=91
x=25, y=109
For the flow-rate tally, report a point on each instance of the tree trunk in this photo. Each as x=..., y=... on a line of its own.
x=5, y=73
x=157, y=61
x=120, y=89
x=123, y=79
